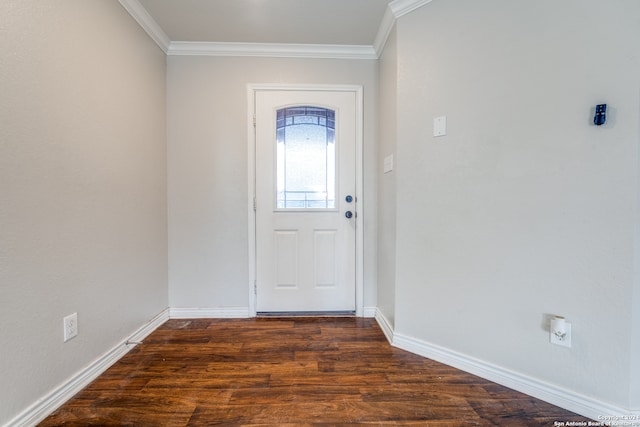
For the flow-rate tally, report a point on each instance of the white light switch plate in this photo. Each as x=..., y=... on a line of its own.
x=388, y=163
x=440, y=126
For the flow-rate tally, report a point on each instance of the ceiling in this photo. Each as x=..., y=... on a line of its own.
x=321, y=22
x=355, y=29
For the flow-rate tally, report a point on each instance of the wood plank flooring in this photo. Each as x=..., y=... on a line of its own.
x=291, y=372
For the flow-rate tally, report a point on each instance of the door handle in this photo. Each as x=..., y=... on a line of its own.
x=348, y=214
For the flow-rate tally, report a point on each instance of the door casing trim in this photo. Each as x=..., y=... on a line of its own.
x=251, y=180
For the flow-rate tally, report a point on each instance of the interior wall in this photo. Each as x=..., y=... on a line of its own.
x=634, y=372
x=207, y=151
x=387, y=108
x=524, y=209
x=83, y=188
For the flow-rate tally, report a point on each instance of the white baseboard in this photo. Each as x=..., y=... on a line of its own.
x=52, y=401
x=385, y=325
x=567, y=399
x=208, y=312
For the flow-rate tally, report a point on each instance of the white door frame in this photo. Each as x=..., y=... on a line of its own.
x=251, y=153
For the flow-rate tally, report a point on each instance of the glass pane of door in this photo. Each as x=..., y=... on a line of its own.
x=305, y=158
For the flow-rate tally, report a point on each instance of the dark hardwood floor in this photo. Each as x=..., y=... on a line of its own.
x=291, y=372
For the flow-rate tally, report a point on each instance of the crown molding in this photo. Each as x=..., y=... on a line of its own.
x=395, y=10
x=142, y=17
x=384, y=30
x=274, y=50
x=402, y=7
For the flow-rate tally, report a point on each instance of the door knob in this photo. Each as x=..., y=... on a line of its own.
x=348, y=214
x=348, y=199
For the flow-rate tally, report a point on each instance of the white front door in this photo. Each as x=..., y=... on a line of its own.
x=305, y=200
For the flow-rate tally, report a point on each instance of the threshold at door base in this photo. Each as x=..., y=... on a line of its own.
x=306, y=314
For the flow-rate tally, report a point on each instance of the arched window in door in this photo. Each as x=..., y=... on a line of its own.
x=306, y=158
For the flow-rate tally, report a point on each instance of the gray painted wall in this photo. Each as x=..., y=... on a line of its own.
x=387, y=108
x=83, y=189
x=524, y=209
x=208, y=169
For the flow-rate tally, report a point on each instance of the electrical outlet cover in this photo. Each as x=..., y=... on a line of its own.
x=440, y=126
x=564, y=341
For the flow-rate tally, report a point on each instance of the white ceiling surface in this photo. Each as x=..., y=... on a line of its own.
x=319, y=22
x=355, y=29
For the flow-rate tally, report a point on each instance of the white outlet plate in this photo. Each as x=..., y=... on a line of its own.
x=565, y=341
x=440, y=126
x=70, y=324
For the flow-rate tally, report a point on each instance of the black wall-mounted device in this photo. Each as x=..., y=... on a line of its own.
x=601, y=115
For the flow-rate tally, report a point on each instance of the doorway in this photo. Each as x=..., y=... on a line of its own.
x=305, y=216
